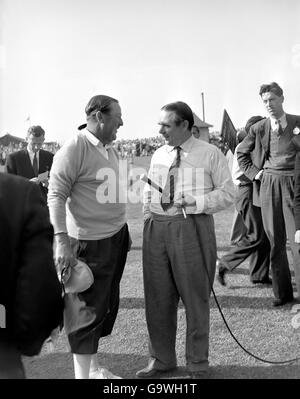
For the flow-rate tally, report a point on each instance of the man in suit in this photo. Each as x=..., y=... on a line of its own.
x=273, y=171
x=296, y=141
x=31, y=304
x=32, y=161
x=254, y=243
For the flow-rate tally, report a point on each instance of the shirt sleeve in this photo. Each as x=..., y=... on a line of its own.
x=147, y=193
x=244, y=155
x=223, y=193
x=62, y=178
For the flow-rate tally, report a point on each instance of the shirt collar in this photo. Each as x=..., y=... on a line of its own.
x=282, y=120
x=31, y=153
x=94, y=140
x=186, y=146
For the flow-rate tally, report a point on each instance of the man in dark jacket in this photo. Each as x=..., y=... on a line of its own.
x=31, y=304
x=254, y=243
x=34, y=163
x=273, y=174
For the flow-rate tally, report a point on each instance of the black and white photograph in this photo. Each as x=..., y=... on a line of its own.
x=150, y=193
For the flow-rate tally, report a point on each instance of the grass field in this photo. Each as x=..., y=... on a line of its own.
x=262, y=329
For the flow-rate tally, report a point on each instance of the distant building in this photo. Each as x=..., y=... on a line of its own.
x=203, y=128
x=9, y=139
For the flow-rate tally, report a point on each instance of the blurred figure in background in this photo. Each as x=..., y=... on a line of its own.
x=34, y=163
x=254, y=243
x=30, y=291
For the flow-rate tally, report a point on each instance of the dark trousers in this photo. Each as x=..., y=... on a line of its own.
x=238, y=229
x=91, y=314
x=176, y=252
x=11, y=366
x=255, y=243
x=277, y=193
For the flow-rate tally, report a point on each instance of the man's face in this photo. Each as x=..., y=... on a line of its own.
x=172, y=133
x=196, y=131
x=111, y=123
x=35, y=143
x=273, y=104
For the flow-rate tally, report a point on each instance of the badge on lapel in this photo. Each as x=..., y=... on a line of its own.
x=296, y=130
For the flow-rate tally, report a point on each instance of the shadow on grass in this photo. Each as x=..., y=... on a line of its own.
x=60, y=366
x=241, y=302
x=228, y=247
x=254, y=372
x=230, y=301
x=224, y=301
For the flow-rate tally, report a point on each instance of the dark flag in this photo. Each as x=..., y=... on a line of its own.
x=228, y=132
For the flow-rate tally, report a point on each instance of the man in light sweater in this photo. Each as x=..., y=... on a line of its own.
x=91, y=226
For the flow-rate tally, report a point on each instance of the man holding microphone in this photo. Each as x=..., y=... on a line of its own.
x=179, y=253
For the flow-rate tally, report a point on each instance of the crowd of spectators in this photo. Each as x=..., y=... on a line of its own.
x=126, y=148
x=13, y=147
x=146, y=146
x=138, y=147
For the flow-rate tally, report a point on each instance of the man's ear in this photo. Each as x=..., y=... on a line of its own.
x=99, y=116
x=185, y=124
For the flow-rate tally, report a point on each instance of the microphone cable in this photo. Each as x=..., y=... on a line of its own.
x=147, y=180
x=227, y=326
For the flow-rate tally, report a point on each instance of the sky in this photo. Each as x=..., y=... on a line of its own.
x=56, y=54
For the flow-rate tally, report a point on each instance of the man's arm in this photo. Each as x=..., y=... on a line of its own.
x=62, y=177
x=147, y=193
x=244, y=156
x=220, y=197
x=223, y=194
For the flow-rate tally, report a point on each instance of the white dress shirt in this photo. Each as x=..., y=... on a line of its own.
x=236, y=170
x=97, y=143
x=31, y=156
x=203, y=173
x=274, y=124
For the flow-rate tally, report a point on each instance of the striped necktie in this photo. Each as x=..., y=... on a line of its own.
x=35, y=165
x=167, y=198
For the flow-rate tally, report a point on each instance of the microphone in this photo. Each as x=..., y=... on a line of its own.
x=146, y=179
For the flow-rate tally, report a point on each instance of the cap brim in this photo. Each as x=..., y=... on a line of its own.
x=81, y=127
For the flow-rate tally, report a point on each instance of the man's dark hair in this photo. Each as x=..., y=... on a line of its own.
x=241, y=134
x=99, y=103
x=182, y=112
x=36, y=131
x=271, y=87
x=251, y=121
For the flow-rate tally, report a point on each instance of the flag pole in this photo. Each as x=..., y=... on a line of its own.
x=203, y=113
